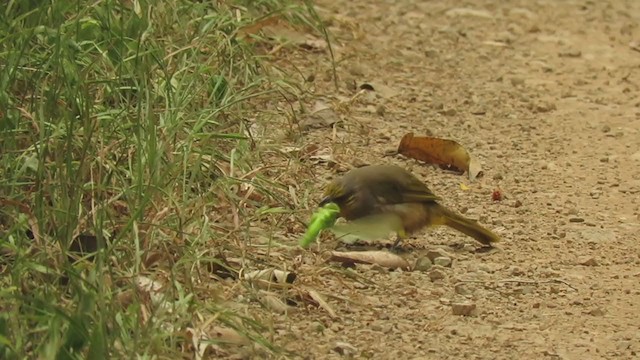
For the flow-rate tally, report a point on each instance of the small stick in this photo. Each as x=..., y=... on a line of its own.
x=522, y=281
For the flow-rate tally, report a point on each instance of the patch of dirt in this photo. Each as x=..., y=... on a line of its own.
x=546, y=95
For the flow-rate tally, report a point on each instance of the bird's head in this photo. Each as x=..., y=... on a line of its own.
x=338, y=192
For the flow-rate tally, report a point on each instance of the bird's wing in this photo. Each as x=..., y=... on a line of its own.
x=416, y=191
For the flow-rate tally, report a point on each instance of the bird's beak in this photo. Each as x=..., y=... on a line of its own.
x=325, y=201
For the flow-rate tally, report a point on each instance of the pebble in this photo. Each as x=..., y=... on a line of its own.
x=423, y=264
x=317, y=326
x=464, y=308
x=576, y=219
x=588, y=261
x=437, y=273
x=571, y=54
x=449, y=112
x=517, y=271
x=463, y=289
x=572, y=211
x=543, y=107
x=469, y=248
x=436, y=253
x=517, y=81
x=345, y=349
x=596, y=312
x=443, y=261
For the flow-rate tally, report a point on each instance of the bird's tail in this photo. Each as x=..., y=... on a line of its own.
x=443, y=216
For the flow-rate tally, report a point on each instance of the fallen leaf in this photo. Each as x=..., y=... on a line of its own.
x=322, y=303
x=448, y=154
x=228, y=336
x=382, y=258
x=321, y=116
x=273, y=303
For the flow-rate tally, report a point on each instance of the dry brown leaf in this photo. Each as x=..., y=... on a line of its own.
x=253, y=29
x=382, y=258
x=273, y=303
x=322, y=303
x=448, y=154
x=228, y=336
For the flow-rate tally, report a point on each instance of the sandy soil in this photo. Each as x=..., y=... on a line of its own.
x=546, y=95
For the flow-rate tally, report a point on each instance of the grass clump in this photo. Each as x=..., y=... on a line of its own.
x=123, y=123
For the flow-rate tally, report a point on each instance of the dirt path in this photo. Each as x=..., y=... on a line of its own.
x=545, y=94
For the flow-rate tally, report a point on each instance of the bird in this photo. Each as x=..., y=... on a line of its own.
x=374, y=190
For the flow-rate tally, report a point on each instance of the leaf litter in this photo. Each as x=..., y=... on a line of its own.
x=448, y=154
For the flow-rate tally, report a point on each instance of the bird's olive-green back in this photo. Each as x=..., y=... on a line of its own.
x=389, y=184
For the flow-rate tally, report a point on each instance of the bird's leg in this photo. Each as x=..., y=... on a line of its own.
x=400, y=235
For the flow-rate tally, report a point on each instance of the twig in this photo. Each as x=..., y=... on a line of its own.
x=522, y=281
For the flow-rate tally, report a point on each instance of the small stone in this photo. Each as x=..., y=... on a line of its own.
x=543, y=107
x=423, y=264
x=345, y=349
x=517, y=81
x=497, y=176
x=588, y=261
x=449, y=112
x=463, y=289
x=470, y=248
x=478, y=110
x=380, y=110
x=517, y=271
x=596, y=312
x=526, y=290
x=517, y=204
x=604, y=159
x=317, y=326
x=436, y=253
x=443, y=261
x=576, y=219
x=572, y=211
x=606, y=128
x=431, y=53
x=571, y=54
x=464, y=308
x=437, y=273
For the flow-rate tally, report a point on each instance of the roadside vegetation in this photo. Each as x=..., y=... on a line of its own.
x=123, y=127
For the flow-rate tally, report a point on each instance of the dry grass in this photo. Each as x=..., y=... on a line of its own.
x=134, y=178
